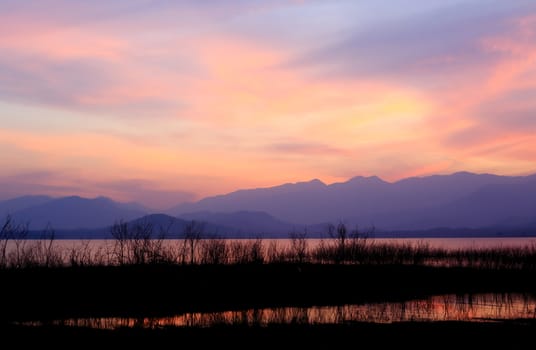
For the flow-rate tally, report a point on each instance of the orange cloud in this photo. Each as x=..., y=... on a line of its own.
x=218, y=111
x=484, y=116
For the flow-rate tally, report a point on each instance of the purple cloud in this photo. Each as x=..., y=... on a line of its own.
x=304, y=148
x=416, y=48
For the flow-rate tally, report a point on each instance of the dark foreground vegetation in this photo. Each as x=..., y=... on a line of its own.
x=516, y=334
x=141, y=274
x=160, y=290
x=143, y=244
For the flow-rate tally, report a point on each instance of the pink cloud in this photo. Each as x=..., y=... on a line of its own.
x=219, y=109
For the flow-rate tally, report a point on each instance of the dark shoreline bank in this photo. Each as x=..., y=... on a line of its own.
x=509, y=334
x=160, y=290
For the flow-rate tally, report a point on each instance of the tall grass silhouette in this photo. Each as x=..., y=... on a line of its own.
x=143, y=244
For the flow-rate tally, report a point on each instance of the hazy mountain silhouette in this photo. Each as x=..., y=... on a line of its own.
x=76, y=212
x=283, y=202
x=135, y=206
x=502, y=205
x=11, y=206
x=173, y=227
x=162, y=225
x=458, y=200
x=246, y=223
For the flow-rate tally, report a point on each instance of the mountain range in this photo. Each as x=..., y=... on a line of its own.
x=92, y=218
x=460, y=200
x=68, y=213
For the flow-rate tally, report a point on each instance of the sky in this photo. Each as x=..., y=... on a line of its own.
x=165, y=101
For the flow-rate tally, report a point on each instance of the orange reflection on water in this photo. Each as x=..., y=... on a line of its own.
x=467, y=307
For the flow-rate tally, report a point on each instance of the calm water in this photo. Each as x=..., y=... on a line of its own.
x=472, y=308
x=456, y=243
x=101, y=251
x=475, y=308
x=447, y=243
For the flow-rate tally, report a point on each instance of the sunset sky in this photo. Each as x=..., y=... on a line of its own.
x=168, y=101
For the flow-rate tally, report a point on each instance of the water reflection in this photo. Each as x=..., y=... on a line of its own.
x=467, y=307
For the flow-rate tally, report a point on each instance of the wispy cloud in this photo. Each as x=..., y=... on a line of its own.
x=61, y=184
x=196, y=98
x=305, y=149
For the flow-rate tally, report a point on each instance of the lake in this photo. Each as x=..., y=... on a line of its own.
x=428, y=251
x=450, y=307
x=489, y=307
x=446, y=243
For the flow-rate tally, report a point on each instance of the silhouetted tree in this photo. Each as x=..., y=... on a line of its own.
x=298, y=246
x=120, y=233
x=45, y=252
x=192, y=234
x=214, y=251
x=6, y=233
x=339, y=234
x=143, y=247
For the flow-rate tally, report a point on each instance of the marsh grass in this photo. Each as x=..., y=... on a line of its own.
x=143, y=244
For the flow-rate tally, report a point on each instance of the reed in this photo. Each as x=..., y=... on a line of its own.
x=143, y=244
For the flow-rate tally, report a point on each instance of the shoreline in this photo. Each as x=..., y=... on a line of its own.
x=160, y=290
x=511, y=334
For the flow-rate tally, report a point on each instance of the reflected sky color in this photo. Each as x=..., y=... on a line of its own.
x=466, y=307
x=169, y=101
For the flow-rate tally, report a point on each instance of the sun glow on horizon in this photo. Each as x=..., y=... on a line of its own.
x=168, y=102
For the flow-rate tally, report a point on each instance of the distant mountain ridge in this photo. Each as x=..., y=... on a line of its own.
x=69, y=213
x=409, y=204
x=246, y=223
x=169, y=227
x=172, y=227
x=92, y=218
x=461, y=200
x=13, y=205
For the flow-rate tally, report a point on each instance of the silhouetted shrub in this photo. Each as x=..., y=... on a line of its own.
x=141, y=244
